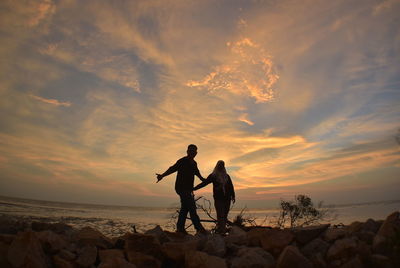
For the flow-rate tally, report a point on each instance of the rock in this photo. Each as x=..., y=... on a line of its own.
x=354, y=227
x=317, y=246
x=88, y=236
x=380, y=245
x=332, y=234
x=252, y=257
x=198, y=259
x=215, y=245
x=26, y=250
x=58, y=228
x=142, y=260
x=66, y=255
x=318, y=261
x=159, y=234
x=236, y=236
x=291, y=258
x=379, y=261
x=176, y=251
x=304, y=235
x=109, y=254
x=146, y=244
x=62, y=263
x=353, y=263
x=87, y=256
x=254, y=236
x=366, y=236
x=363, y=250
x=275, y=240
x=341, y=249
x=116, y=263
x=3, y=255
x=9, y=226
x=51, y=242
x=371, y=226
x=7, y=238
x=390, y=225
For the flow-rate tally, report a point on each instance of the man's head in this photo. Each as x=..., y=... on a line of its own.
x=192, y=150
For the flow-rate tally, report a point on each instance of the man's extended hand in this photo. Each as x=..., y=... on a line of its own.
x=159, y=177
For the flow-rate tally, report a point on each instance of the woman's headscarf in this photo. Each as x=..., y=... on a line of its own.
x=220, y=174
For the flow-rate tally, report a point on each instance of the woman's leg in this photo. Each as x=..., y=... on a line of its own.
x=220, y=207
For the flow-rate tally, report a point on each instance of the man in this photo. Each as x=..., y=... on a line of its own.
x=186, y=168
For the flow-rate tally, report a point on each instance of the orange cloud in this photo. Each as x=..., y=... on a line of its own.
x=248, y=72
x=52, y=101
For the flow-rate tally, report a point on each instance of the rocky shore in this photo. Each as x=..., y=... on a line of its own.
x=360, y=244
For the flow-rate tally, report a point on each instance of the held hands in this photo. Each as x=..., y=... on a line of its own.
x=159, y=177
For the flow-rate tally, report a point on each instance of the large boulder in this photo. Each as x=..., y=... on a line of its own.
x=315, y=247
x=146, y=244
x=291, y=257
x=355, y=262
x=3, y=255
x=116, y=263
x=332, y=234
x=304, y=235
x=51, y=242
x=159, y=234
x=382, y=240
x=89, y=236
x=87, y=256
x=142, y=260
x=58, y=228
x=198, y=259
x=390, y=225
x=59, y=262
x=252, y=257
x=236, y=236
x=26, y=251
x=215, y=245
x=371, y=226
x=379, y=261
x=254, y=236
x=176, y=251
x=11, y=226
x=275, y=240
x=342, y=249
x=109, y=254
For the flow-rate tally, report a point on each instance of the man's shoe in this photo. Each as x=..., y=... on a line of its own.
x=203, y=231
x=182, y=232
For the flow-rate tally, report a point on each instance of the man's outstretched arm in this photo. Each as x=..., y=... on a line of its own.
x=170, y=170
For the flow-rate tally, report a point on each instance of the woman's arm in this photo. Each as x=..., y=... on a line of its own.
x=204, y=183
x=232, y=189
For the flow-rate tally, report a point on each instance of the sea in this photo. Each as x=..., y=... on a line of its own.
x=114, y=221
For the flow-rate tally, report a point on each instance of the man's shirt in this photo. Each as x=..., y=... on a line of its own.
x=186, y=169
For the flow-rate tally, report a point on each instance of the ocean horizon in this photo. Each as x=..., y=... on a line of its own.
x=115, y=220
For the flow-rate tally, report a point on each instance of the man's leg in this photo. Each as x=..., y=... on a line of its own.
x=180, y=225
x=191, y=206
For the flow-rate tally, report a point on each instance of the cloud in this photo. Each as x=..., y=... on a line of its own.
x=52, y=101
x=248, y=72
x=245, y=119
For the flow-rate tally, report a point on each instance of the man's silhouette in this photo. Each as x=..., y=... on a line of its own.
x=186, y=168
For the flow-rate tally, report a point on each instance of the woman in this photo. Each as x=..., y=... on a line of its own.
x=223, y=193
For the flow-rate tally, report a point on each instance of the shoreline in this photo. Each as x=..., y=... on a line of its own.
x=373, y=243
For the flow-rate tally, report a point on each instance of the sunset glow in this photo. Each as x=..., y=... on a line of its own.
x=297, y=97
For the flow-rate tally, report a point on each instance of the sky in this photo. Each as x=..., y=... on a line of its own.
x=297, y=97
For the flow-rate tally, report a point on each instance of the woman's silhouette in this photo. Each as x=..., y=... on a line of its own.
x=223, y=193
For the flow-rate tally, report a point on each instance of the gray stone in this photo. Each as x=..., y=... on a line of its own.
x=87, y=256
x=371, y=226
x=342, y=248
x=316, y=246
x=252, y=257
x=304, y=235
x=275, y=240
x=353, y=263
x=66, y=255
x=292, y=258
x=215, y=245
x=159, y=234
x=390, y=225
x=236, y=236
x=332, y=234
x=198, y=259
x=379, y=261
x=26, y=250
x=142, y=260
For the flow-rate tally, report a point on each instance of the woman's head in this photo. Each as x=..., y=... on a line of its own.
x=220, y=167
